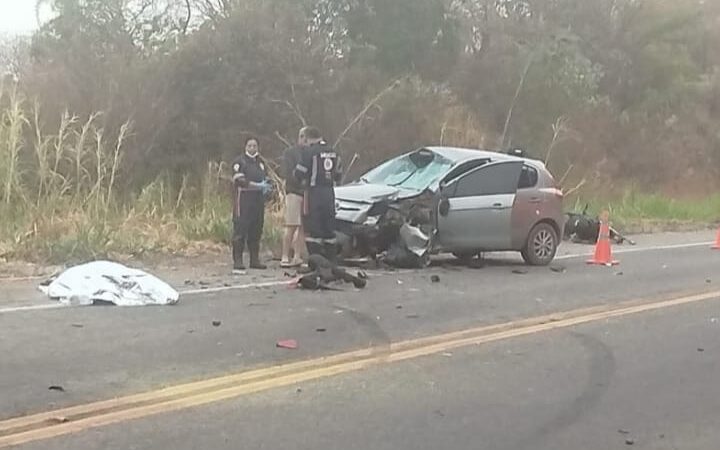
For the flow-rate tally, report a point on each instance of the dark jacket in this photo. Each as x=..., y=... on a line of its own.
x=291, y=158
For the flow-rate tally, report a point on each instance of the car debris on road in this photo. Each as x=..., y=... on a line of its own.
x=288, y=344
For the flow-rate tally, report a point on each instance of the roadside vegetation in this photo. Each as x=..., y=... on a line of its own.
x=117, y=118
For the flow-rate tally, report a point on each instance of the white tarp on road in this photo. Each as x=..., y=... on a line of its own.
x=108, y=282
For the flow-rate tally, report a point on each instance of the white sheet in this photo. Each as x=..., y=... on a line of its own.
x=104, y=281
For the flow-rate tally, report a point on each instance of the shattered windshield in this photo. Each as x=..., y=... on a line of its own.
x=416, y=171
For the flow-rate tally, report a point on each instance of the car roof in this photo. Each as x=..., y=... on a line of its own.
x=459, y=154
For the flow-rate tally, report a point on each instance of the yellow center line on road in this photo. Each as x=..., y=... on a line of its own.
x=82, y=417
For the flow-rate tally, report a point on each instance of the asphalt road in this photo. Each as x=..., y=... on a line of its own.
x=641, y=380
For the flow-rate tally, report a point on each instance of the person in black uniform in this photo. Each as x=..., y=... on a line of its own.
x=250, y=186
x=318, y=170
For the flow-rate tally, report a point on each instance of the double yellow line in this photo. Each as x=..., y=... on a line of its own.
x=74, y=419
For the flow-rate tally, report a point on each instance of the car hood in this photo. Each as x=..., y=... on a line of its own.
x=371, y=193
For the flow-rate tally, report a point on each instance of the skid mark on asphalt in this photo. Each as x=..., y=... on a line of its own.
x=601, y=369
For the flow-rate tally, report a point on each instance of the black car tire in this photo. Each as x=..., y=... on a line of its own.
x=541, y=245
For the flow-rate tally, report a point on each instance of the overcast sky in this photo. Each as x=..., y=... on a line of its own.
x=17, y=16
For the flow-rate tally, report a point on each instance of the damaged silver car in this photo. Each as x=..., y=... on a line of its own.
x=451, y=200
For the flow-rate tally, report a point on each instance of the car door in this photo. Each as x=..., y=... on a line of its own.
x=475, y=209
x=528, y=205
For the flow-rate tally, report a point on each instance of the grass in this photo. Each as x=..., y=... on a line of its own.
x=652, y=212
x=59, y=199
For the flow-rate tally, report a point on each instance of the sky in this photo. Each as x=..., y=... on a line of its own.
x=17, y=16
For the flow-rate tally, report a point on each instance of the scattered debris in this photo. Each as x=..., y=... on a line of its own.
x=216, y=323
x=400, y=282
x=447, y=354
x=77, y=325
x=520, y=272
x=399, y=307
x=413, y=316
x=204, y=283
x=289, y=344
x=701, y=350
x=189, y=282
x=56, y=388
x=435, y=278
x=410, y=251
x=227, y=285
x=621, y=431
x=629, y=442
x=558, y=269
x=321, y=330
x=190, y=331
x=58, y=420
x=103, y=282
x=619, y=274
x=298, y=390
x=708, y=281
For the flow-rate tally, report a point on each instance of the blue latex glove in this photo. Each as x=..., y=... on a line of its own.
x=266, y=187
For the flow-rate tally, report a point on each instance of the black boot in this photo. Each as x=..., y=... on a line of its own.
x=255, y=258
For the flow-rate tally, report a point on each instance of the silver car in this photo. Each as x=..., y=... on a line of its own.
x=444, y=199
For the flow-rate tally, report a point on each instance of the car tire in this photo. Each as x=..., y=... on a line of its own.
x=541, y=246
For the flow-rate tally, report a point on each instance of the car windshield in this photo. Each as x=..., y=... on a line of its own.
x=416, y=171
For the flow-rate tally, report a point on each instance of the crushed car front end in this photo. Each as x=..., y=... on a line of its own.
x=389, y=210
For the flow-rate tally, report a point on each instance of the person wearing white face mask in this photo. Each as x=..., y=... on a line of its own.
x=250, y=187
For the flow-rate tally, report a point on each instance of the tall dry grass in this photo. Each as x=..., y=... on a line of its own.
x=60, y=200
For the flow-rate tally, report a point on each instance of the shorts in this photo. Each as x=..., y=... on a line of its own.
x=293, y=210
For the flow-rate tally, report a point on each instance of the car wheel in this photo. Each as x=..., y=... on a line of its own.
x=541, y=245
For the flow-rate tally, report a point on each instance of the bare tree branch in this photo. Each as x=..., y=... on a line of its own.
x=367, y=108
x=283, y=139
x=520, y=86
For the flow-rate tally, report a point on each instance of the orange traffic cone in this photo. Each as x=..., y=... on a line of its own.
x=717, y=241
x=603, y=252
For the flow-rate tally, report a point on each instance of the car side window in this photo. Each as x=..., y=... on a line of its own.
x=494, y=180
x=528, y=177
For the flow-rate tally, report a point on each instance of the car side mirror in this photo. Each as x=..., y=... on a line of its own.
x=444, y=206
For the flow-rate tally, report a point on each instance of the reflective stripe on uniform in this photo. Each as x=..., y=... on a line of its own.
x=313, y=176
